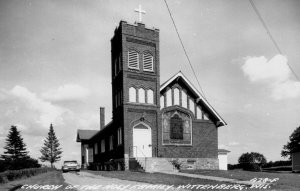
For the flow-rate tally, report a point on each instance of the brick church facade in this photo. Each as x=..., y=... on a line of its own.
x=152, y=124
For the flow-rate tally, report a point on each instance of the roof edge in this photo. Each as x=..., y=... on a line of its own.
x=192, y=87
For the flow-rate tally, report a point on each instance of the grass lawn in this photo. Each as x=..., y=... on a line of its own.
x=48, y=178
x=153, y=178
x=165, y=179
x=287, y=180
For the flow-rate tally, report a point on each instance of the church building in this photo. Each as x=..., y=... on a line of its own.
x=154, y=127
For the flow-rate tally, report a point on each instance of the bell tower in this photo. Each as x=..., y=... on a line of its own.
x=135, y=81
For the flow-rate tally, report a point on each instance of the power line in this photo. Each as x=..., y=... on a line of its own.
x=185, y=52
x=271, y=36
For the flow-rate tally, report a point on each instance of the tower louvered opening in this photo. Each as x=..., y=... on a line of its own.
x=147, y=62
x=133, y=60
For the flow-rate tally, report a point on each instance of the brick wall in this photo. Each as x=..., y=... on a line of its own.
x=141, y=39
x=204, y=139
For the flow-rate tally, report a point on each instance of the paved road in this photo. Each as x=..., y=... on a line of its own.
x=84, y=181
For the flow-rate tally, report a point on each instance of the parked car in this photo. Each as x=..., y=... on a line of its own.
x=70, y=166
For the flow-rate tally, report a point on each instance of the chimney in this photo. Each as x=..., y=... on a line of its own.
x=102, y=117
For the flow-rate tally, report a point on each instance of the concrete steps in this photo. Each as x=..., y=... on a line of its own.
x=156, y=164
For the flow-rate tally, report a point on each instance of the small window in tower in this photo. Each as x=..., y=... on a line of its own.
x=183, y=99
x=133, y=59
x=141, y=95
x=150, y=97
x=176, y=96
x=132, y=94
x=147, y=62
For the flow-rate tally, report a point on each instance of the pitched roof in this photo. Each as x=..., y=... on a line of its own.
x=199, y=96
x=102, y=130
x=85, y=134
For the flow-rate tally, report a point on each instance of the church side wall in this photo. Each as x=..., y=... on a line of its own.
x=202, y=154
x=205, y=143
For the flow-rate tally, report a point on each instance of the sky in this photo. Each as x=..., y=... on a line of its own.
x=55, y=66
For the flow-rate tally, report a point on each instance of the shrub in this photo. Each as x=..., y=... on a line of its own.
x=176, y=163
x=252, y=161
x=277, y=163
x=11, y=175
x=234, y=166
x=22, y=163
x=251, y=167
x=279, y=168
x=3, y=165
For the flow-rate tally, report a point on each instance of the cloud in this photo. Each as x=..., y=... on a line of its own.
x=248, y=105
x=287, y=89
x=259, y=68
x=45, y=111
x=87, y=120
x=275, y=73
x=32, y=114
x=68, y=92
x=233, y=143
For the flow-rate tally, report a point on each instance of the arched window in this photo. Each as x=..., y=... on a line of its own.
x=132, y=94
x=192, y=105
x=199, y=113
x=176, y=128
x=96, y=148
x=119, y=136
x=133, y=59
x=150, y=97
x=169, y=98
x=111, y=142
x=147, y=62
x=183, y=99
x=176, y=96
x=205, y=116
x=102, y=145
x=141, y=95
x=162, y=102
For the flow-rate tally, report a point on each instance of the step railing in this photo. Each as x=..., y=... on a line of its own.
x=137, y=150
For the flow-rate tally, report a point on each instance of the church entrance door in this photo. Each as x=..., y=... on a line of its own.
x=142, y=141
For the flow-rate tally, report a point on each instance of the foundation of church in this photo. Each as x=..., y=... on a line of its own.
x=195, y=163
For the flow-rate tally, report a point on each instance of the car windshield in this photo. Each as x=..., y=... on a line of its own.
x=70, y=162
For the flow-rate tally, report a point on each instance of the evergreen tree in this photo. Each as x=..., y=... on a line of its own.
x=15, y=148
x=51, y=151
x=293, y=145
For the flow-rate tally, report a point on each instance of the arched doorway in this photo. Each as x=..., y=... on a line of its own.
x=142, y=140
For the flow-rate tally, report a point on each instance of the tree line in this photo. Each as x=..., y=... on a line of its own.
x=16, y=156
x=254, y=161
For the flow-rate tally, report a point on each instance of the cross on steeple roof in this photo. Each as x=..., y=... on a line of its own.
x=140, y=11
